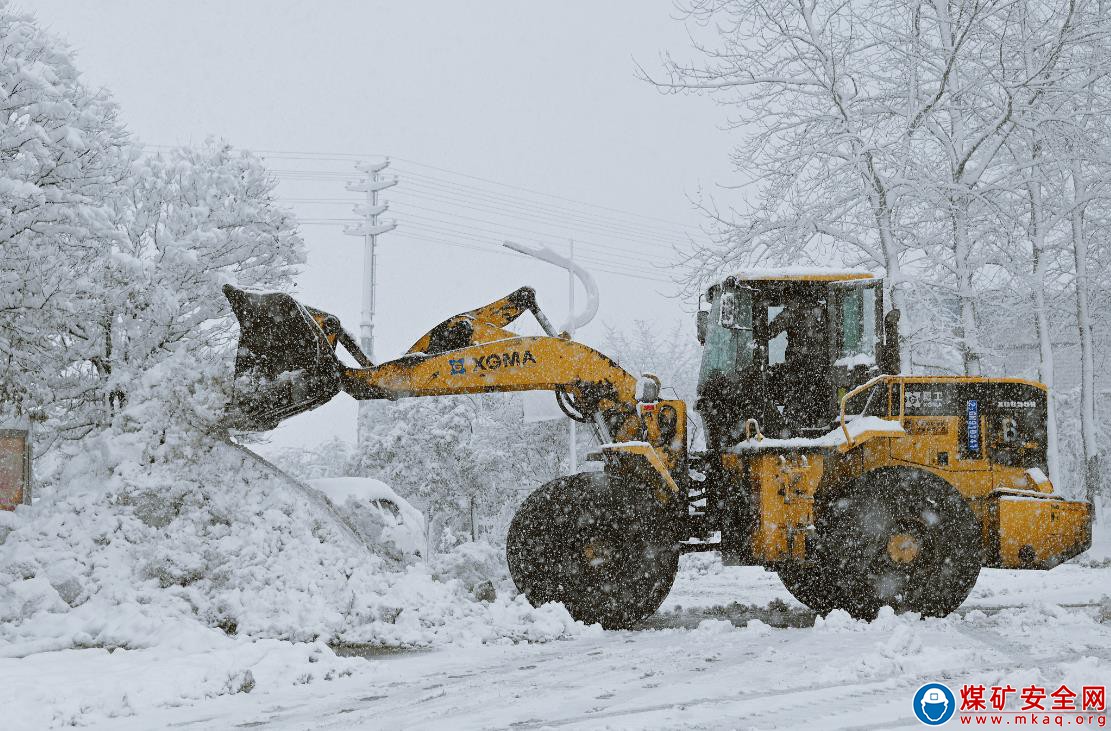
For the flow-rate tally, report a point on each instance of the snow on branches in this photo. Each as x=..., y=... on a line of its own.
x=959, y=147
x=63, y=153
x=112, y=260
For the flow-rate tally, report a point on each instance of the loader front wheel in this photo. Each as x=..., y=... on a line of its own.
x=605, y=549
x=812, y=585
x=899, y=537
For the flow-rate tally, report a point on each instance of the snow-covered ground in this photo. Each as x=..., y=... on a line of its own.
x=729, y=649
x=169, y=579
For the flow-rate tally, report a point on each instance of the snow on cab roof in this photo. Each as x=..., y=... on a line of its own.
x=798, y=274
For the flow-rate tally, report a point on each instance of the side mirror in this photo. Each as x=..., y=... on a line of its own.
x=701, y=323
x=729, y=313
x=736, y=309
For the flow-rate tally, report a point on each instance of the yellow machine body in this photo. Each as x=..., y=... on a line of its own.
x=1025, y=526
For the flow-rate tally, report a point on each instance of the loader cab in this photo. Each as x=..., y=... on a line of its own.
x=782, y=349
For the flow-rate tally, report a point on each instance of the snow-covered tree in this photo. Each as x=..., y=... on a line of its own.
x=803, y=84
x=111, y=261
x=63, y=156
x=443, y=453
x=190, y=220
x=873, y=132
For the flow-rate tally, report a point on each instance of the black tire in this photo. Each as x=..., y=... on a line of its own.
x=812, y=586
x=899, y=537
x=605, y=549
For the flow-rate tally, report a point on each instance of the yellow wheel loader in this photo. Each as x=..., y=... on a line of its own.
x=861, y=487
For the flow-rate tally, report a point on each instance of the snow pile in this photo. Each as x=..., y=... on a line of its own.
x=153, y=545
x=152, y=532
x=223, y=543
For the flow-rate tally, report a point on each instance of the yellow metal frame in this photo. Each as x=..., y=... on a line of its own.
x=664, y=488
x=495, y=360
x=1028, y=530
x=1018, y=515
x=810, y=277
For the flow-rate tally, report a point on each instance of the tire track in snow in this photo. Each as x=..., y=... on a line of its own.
x=782, y=616
x=800, y=705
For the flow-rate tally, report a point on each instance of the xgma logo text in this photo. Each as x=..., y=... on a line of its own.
x=492, y=362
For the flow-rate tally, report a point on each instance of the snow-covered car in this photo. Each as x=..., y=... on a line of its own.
x=379, y=515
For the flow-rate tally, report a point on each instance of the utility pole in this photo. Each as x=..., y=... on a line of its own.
x=572, y=437
x=370, y=229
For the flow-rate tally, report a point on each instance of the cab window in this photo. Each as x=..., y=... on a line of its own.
x=729, y=334
x=858, y=322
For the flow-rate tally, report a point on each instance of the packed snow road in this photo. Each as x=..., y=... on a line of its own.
x=691, y=666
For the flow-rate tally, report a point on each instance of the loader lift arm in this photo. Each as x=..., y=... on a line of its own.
x=615, y=533
x=287, y=363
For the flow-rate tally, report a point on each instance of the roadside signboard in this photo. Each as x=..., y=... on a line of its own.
x=15, y=468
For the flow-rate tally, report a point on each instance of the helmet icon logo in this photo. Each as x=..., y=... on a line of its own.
x=934, y=704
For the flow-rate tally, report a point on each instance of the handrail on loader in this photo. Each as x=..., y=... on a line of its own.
x=861, y=389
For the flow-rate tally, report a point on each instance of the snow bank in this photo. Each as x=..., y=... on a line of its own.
x=154, y=539
x=220, y=542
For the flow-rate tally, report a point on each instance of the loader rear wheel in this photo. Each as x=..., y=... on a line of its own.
x=899, y=537
x=605, y=549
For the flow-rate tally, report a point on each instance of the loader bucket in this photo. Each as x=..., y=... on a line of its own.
x=284, y=364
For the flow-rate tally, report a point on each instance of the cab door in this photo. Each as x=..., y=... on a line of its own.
x=855, y=316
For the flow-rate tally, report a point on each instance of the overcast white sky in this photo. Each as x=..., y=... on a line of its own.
x=540, y=96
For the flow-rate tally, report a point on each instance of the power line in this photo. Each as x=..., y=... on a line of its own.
x=473, y=198
x=509, y=207
x=498, y=228
x=540, y=234
x=454, y=228
x=635, y=220
x=495, y=230
x=547, y=195
x=481, y=236
x=348, y=157
x=506, y=252
x=450, y=191
x=561, y=224
x=559, y=227
x=430, y=235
